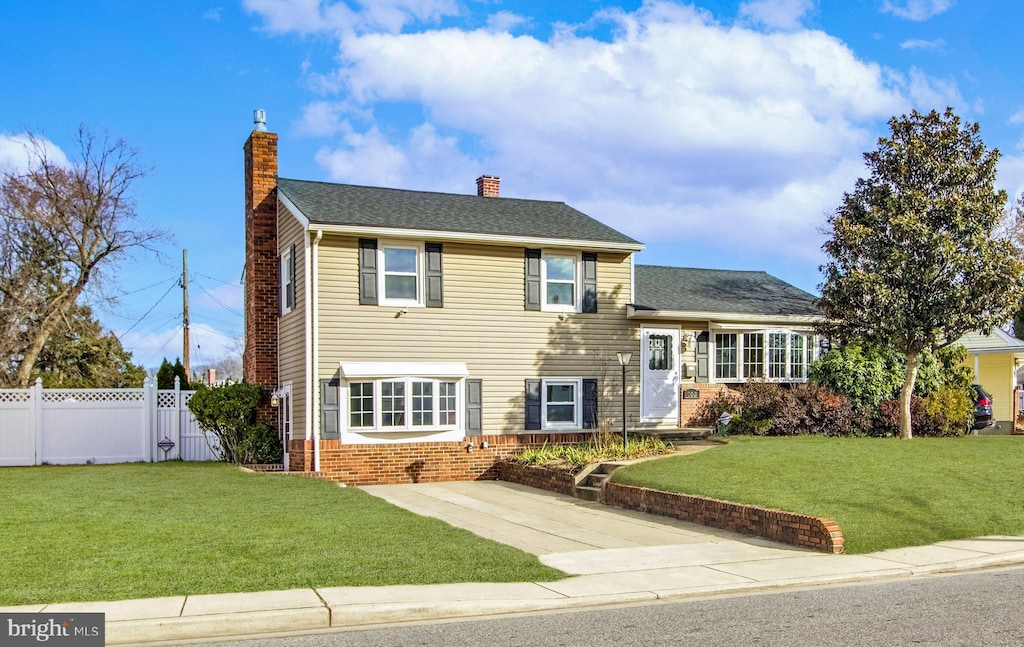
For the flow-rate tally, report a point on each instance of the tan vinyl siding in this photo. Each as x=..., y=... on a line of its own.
x=484, y=324
x=291, y=326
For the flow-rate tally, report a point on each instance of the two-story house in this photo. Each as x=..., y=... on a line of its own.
x=410, y=335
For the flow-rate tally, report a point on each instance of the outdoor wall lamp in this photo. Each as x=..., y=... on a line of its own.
x=623, y=361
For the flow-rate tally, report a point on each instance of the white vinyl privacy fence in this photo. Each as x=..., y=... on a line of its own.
x=80, y=426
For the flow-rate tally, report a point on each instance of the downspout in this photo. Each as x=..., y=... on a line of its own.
x=313, y=359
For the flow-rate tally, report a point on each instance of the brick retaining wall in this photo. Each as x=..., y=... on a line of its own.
x=539, y=477
x=391, y=463
x=806, y=531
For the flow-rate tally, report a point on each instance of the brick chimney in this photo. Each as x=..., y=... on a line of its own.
x=259, y=357
x=487, y=186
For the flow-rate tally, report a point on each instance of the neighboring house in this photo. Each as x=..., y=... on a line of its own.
x=411, y=335
x=995, y=360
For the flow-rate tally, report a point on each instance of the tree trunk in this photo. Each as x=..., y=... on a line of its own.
x=46, y=328
x=913, y=359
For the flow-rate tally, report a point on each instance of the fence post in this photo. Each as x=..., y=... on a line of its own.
x=149, y=419
x=177, y=414
x=36, y=393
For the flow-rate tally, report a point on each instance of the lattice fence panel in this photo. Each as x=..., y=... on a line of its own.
x=166, y=399
x=93, y=395
x=18, y=396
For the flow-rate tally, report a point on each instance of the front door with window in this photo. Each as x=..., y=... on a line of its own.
x=659, y=375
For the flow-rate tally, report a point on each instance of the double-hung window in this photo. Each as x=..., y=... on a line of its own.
x=561, y=403
x=560, y=282
x=288, y=280
x=401, y=274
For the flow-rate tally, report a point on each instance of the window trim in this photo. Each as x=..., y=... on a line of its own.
x=382, y=273
x=577, y=383
x=408, y=425
x=577, y=281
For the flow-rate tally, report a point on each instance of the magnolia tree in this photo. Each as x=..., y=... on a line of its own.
x=915, y=261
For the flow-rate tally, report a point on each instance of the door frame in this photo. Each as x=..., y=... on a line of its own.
x=675, y=333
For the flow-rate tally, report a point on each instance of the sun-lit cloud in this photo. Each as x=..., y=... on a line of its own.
x=1017, y=117
x=17, y=153
x=316, y=16
x=506, y=21
x=778, y=14
x=208, y=344
x=916, y=10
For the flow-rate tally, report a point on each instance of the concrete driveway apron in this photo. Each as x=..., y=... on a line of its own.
x=579, y=537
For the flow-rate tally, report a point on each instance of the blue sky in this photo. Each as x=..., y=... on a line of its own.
x=719, y=133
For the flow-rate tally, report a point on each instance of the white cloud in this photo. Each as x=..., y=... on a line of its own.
x=17, y=155
x=314, y=16
x=779, y=14
x=504, y=21
x=931, y=93
x=938, y=43
x=228, y=297
x=208, y=344
x=1017, y=117
x=213, y=14
x=321, y=119
x=916, y=10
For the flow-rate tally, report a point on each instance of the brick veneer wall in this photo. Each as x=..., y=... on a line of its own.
x=806, y=531
x=688, y=408
x=259, y=356
x=391, y=463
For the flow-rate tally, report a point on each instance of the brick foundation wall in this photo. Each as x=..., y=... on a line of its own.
x=688, y=408
x=805, y=531
x=539, y=477
x=380, y=464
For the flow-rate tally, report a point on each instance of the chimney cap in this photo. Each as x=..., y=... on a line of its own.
x=259, y=117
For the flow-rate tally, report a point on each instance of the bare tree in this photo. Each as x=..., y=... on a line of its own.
x=61, y=228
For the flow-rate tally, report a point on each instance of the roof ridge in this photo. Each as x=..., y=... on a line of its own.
x=440, y=193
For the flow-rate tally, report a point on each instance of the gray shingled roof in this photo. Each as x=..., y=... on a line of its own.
x=698, y=290
x=346, y=204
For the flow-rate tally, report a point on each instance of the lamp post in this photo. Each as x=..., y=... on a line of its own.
x=623, y=361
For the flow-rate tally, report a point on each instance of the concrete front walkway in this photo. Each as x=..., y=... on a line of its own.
x=616, y=556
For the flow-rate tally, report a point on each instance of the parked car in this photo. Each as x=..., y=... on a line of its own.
x=982, y=407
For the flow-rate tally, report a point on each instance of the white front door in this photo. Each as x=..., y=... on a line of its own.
x=659, y=375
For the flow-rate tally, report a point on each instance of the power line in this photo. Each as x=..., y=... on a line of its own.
x=218, y=301
x=173, y=285
x=173, y=278
x=213, y=278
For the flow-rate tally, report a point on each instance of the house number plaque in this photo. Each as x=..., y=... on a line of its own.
x=691, y=394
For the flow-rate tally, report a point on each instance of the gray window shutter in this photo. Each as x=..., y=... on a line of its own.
x=590, y=282
x=290, y=296
x=703, y=374
x=474, y=406
x=590, y=404
x=533, y=280
x=368, y=271
x=432, y=275
x=329, y=429
x=533, y=404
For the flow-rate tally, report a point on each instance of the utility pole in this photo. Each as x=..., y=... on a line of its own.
x=184, y=287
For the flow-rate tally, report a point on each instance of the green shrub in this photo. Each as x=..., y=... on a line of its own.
x=603, y=447
x=947, y=412
x=229, y=413
x=864, y=373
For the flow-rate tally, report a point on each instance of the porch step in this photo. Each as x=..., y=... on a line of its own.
x=590, y=483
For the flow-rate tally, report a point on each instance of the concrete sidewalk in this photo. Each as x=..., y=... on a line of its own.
x=615, y=556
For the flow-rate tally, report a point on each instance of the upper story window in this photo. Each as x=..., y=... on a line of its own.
x=561, y=281
x=559, y=278
x=401, y=274
x=776, y=355
x=288, y=280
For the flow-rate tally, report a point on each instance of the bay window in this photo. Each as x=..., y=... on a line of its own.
x=776, y=355
x=405, y=404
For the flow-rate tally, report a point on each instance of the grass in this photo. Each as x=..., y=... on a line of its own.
x=110, y=532
x=883, y=493
x=604, y=447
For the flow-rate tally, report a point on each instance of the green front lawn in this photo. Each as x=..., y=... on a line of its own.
x=111, y=532
x=883, y=493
